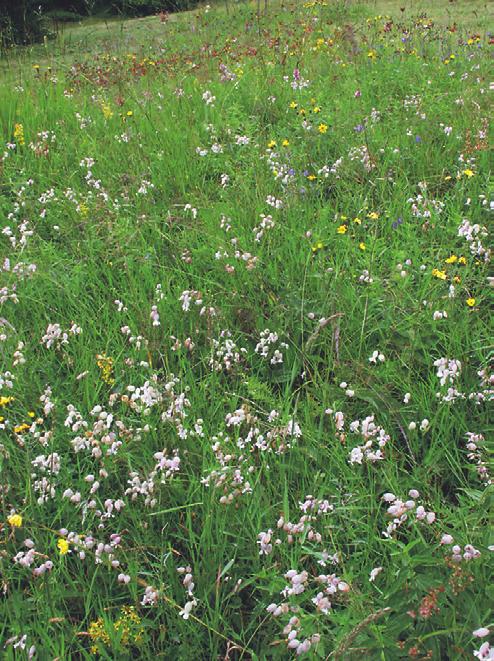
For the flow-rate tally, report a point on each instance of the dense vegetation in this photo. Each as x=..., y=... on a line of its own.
x=28, y=21
x=246, y=336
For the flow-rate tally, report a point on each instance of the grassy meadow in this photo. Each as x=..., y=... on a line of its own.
x=246, y=336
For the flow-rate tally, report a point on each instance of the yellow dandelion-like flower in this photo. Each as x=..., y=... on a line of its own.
x=271, y=144
x=63, y=546
x=342, y=229
x=293, y=104
x=451, y=260
x=462, y=260
x=322, y=128
x=5, y=400
x=362, y=245
x=470, y=302
x=15, y=520
x=468, y=173
x=373, y=215
x=285, y=143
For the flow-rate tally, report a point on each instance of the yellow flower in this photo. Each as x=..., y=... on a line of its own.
x=372, y=54
x=293, y=104
x=129, y=113
x=63, y=546
x=362, y=245
x=451, y=260
x=322, y=128
x=319, y=245
x=311, y=177
x=462, y=260
x=19, y=134
x=470, y=302
x=357, y=221
x=468, y=173
x=285, y=143
x=457, y=279
x=373, y=215
x=19, y=429
x=5, y=400
x=271, y=144
x=439, y=274
x=107, y=111
x=31, y=414
x=342, y=229
x=316, y=109
x=15, y=520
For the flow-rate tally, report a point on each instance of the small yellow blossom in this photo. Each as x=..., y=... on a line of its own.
x=322, y=128
x=15, y=520
x=271, y=144
x=31, y=414
x=362, y=245
x=468, y=173
x=439, y=274
x=470, y=302
x=451, y=260
x=373, y=215
x=311, y=177
x=20, y=429
x=457, y=279
x=316, y=109
x=5, y=400
x=293, y=104
x=462, y=260
x=372, y=54
x=285, y=143
x=357, y=221
x=342, y=229
x=319, y=245
x=63, y=546
x=129, y=113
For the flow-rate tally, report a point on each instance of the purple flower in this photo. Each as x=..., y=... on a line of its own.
x=397, y=223
x=359, y=128
x=418, y=139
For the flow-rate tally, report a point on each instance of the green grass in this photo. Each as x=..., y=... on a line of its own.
x=354, y=261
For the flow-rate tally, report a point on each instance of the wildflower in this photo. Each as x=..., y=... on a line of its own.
x=20, y=429
x=362, y=245
x=462, y=260
x=5, y=400
x=322, y=128
x=105, y=363
x=31, y=414
x=357, y=221
x=319, y=245
x=373, y=215
x=293, y=105
x=19, y=134
x=316, y=109
x=107, y=111
x=470, y=302
x=63, y=546
x=451, y=260
x=271, y=144
x=441, y=275
x=481, y=633
x=285, y=143
x=15, y=520
x=342, y=229
x=129, y=113
x=468, y=173
x=372, y=54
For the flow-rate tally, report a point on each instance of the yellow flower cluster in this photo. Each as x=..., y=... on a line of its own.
x=19, y=134
x=128, y=625
x=105, y=363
